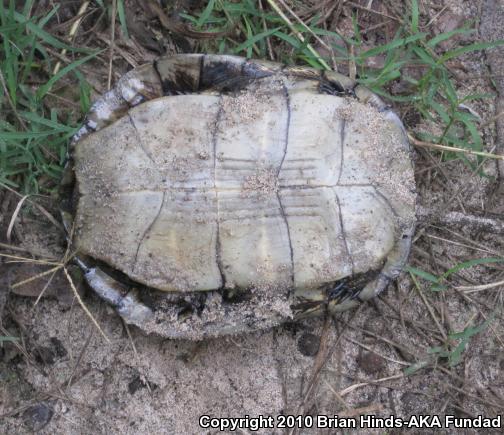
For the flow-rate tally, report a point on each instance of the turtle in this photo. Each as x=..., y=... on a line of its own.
x=208, y=195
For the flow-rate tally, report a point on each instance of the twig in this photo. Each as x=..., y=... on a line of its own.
x=455, y=218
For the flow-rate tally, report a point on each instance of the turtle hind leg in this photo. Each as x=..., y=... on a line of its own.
x=202, y=316
x=124, y=299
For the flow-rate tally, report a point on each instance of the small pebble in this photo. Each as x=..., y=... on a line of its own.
x=37, y=416
x=370, y=363
x=308, y=344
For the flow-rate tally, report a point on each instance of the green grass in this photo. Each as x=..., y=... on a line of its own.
x=441, y=282
x=7, y=339
x=34, y=131
x=456, y=343
x=452, y=350
x=433, y=96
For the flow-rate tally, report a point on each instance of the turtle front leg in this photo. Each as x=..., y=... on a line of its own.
x=187, y=73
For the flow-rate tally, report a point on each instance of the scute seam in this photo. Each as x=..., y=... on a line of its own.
x=218, y=258
x=342, y=145
x=147, y=230
x=343, y=233
x=140, y=141
x=386, y=200
x=291, y=250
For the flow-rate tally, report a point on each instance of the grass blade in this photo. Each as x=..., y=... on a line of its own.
x=44, y=89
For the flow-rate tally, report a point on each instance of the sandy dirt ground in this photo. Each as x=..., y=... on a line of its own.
x=62, y=377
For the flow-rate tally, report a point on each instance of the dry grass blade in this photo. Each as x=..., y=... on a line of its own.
x=112, y=43
x=48, y=215
x=73, y=31
x=353, y=387
x=9, y=100
x=297, y=33
x=174, y=26
x=19, y=347
x=468, y=394
x=423, y=144
x=325, y=351
x=83, y=306
x=429, y=308
x=369, y=349
x=372, y=11
x=265, y=28
x=13, y=248
x=338, y=398
x=42, y=210
x=463, y=245
x=300, y=21
x=479, y=288
x=381, y=42
x=37, y=276
x=137, y=356
x=17, y=259
x=46, y=286
x=320, y=360
x=435, y=17
x=14, y=217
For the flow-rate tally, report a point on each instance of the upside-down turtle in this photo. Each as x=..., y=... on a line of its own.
x=212, y=194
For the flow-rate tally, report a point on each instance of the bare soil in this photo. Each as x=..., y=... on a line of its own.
x=62, y=377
